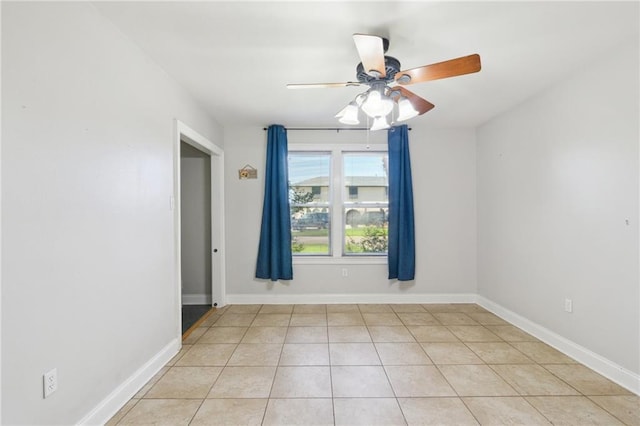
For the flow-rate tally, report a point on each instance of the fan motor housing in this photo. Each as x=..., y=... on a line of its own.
x=392, y=67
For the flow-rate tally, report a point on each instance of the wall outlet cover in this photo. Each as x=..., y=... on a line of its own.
x=568, y=305
x=50, y=382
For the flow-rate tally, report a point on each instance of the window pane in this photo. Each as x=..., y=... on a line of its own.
x=309, y=174
x=366, y=230
x=365, y=203
x=310, y=231
x=365, y=177
x=353, y=192
x=309, y=195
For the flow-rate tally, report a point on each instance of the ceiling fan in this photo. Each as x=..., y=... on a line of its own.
x=385, y=80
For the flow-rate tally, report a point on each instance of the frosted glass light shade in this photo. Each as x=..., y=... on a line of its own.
x=380, y=123
x=377, y=105
x=341, y=113
x=405, y=109
x=349, y=115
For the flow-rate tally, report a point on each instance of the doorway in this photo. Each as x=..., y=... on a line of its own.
x=199, y=225
x=195, y=234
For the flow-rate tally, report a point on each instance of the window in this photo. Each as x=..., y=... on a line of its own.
x=339, y=202
x=353, y=192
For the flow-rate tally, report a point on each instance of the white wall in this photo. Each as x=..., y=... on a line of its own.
x=88, y=234
x=557, y=181
x=444, y=174
x=195, y=204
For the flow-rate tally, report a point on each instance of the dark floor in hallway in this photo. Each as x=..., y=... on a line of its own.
x=191, y=314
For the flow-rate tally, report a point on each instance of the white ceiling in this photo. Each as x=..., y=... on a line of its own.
x=236, y=57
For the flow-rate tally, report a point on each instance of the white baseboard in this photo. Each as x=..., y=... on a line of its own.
x=196, y=299
x=302, y=299
x=123, y=393
x=609, y=369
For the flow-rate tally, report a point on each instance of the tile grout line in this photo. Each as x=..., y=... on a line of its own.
x=520, y=394
x=124, y=414
x=605, y=409
x=333, y=400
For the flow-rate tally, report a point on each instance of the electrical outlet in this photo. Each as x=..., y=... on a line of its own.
x=345, y=272
x=50, y=382
x=568, y=305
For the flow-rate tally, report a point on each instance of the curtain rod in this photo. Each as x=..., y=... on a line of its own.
x=337, y=129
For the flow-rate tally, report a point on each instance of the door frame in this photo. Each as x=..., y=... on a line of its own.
x=184, y=133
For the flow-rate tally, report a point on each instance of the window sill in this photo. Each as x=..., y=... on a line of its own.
x=345, y=260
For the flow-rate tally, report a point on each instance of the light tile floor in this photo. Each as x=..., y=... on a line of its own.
x=453, y=364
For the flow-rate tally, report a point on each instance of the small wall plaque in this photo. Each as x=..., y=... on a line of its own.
x=248, y=172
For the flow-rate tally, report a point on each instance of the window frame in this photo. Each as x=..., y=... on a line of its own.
x=338, y=197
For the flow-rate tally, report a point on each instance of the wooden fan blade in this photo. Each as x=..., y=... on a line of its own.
x=371, y=51
x=420, y=104
x=321, y=85
x=451, y=68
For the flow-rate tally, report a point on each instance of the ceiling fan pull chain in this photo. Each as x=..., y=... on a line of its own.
x=368, y=129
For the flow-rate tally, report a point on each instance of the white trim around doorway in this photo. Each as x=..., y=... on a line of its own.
x=195, y=139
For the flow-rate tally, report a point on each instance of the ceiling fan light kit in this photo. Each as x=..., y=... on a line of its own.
x=382, y=74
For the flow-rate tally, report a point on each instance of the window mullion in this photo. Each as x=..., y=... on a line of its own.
x=336, y=203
